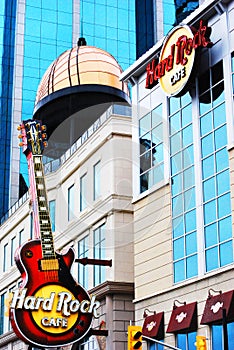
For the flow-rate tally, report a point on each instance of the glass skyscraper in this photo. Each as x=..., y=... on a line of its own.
x=155, y=18
x=32, y=35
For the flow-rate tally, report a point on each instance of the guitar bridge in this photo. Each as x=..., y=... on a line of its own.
x=49, y=264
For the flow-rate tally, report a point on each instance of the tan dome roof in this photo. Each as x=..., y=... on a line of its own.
x=81, y=65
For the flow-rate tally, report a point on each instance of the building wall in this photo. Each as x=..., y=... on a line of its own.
x=153, y=245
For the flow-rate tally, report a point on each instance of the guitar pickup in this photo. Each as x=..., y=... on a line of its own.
x=49, y=265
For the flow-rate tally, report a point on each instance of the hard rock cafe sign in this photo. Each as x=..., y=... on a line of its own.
x=54, y=309
x=177, y=59
x=50, y=309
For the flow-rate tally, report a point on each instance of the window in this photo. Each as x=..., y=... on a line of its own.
x=21, y=237
x=31, y=225
x=186, y=341
x=83, y=192
x=183, y=188
x=3, y=319
x=99, y=253
x=71, y=203
x=215, y=170
x=88, y=344
x=96, y=180
x=151, y=149
x=155, y=346
x=218, y=336
x=83, y=252
x=13, y=249
x=52, y=214
x=5, y=257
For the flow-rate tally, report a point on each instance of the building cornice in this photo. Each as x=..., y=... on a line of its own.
x=112, y=287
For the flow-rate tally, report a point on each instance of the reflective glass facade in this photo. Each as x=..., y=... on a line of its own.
x=144, y=26
x=110, y=25
x=48, y=29
x=7, y=51
x=155, y=18
x=183, y=188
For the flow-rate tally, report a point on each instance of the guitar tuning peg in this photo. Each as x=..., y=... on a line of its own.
x=43, y=128
x=21, y=144
x=19, y=127
x=20, y=136
x=44, y=136
x=45, y=143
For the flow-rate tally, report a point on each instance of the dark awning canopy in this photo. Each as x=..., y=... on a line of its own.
x=153, y=326
x=215, y=306
x=183, y=319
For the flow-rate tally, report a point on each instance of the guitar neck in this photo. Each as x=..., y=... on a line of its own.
x=41, y=215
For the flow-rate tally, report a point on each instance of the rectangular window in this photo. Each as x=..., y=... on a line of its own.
x=183, y=189
x=23, y=237
x=5, y=257
x=13, y=249
x=96, y=180
x=2, y=314
x=186, y=341
x=215, y=170
x=218, y=336
x=83, y=192
x=151, y=149
x=52, y=214
x=70, y=195
x=99, y=242
x=31, y=226
x=83, y=252
x=155, y=346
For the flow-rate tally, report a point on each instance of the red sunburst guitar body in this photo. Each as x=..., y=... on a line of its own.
x=38, y=282
x=50, y=309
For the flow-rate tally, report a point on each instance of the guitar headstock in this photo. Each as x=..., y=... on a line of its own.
x=33, y=136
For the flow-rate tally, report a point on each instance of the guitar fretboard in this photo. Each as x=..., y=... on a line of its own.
x=47, y=241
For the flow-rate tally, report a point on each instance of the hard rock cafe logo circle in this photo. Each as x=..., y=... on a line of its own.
x=53, y=312
x=177, y=59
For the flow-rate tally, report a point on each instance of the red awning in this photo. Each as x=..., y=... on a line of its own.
x=215, y=304
x=183, y=319
x=153, y=326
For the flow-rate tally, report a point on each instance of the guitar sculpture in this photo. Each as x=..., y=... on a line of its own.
x=49, y=309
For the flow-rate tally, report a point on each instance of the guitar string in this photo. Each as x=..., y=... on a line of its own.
x=44, y=221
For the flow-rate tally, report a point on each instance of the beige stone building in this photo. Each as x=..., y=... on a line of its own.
x=90, y=199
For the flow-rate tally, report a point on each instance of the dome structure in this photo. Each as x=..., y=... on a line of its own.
x=79, y=78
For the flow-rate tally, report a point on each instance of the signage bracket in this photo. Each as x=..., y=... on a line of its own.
x=87, y=261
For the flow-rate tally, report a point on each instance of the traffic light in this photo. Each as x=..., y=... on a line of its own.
x=134, y=337
x=200, y=342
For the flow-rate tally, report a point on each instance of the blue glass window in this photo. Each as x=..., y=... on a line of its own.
x=52, y=214
x=99, y=252
x=71, y=202
x=183, y=189
x=217, y=336
x=83, y=252
x=151, y=149
x=83, y=192
x=186, y=341
x=215, y=171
